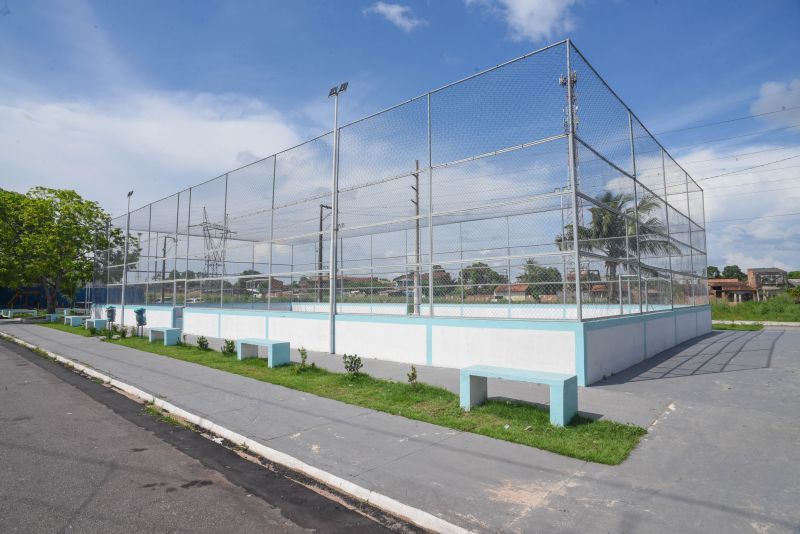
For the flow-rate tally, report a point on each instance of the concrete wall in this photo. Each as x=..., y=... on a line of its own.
x=591, y=349
x=612, y=345
x=155, y=315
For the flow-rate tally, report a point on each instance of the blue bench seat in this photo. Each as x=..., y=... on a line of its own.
x=171, y=336
x=75, y=320
x=99, y=324
x=563, y=388
x=277, y=351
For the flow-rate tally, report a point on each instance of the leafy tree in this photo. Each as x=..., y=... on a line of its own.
x=793, y=275
x=480, y=279
x=10, y=235
x=613, y=233
x=713, y=272
x=544, y=279
x=58, y=237
x=733, y=271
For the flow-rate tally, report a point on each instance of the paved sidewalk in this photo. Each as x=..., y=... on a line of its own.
x=722, y=459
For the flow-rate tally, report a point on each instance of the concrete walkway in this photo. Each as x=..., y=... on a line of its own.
x=722, y=458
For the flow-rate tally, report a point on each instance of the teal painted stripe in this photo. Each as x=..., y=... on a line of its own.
x=580, y=356
x=610, y=322
x=429, y=344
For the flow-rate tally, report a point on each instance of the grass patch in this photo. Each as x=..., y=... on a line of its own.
x=779, y=308
x=601, y=441
x=80, y=330
x=750, y=327
x=154, y=411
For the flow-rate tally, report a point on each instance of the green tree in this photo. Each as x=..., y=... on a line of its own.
x=793, y=275
x=733, y=271
x=613, y=233
x=713, y=272
x=480, y=279
x=10, y=236
x=58, y=237
x=545, y=280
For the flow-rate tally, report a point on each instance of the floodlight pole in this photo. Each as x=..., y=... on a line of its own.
x=334, y=214
x=417, y=287
x=125, y=263
x=569, y=81
x=319, y=254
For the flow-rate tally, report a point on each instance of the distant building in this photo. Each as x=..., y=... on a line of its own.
x=513, y=292
x=767, y=282
x=730, y=290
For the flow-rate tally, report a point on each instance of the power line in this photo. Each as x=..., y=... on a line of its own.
x=740, y=154
x=737, y=136
x=756, y=182
x=754, y=218
x=747, y=168
x=783, y=110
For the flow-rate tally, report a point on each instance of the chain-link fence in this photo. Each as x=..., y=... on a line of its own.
x=461, y=202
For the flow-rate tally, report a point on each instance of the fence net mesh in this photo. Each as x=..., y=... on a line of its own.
x=456, y=203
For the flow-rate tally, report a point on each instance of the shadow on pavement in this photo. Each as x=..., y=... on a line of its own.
x=717, y=352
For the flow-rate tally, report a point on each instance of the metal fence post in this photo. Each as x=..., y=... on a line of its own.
x=188, y=242
x=573, y=181
x=224, y=243
x=175, y=255
x=691, y=245
x=430, y=212
x=669, y=235
x=149, y=228
x=271, y=232
x=636, y=220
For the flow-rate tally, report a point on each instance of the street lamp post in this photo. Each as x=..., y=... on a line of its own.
x=334, y=92
x=125, y=262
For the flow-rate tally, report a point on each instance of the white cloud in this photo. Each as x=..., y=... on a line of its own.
x=779, y=95
x=154, y=143
x=398, y=14
x=760, y=193
x=532, y=20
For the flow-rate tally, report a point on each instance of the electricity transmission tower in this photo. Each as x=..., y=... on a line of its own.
x=215, y=239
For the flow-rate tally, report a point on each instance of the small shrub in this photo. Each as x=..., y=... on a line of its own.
x=352, y=365
x=412, y=376
x=228, y=347
x=123, y=333
x=92, y=331
x=108, y=333
x=303, y=357
x=202, y=342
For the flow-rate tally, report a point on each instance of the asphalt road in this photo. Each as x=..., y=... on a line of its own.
x=76, y=456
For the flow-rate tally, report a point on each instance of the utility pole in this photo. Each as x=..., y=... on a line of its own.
x=319, y=254
x=125, y=261
x=417, y=288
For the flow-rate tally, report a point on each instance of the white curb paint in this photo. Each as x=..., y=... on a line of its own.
x=419, y=517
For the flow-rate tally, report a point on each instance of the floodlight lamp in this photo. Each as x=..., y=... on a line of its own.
x=130, y=194
x=343, y=87
x=334, y=91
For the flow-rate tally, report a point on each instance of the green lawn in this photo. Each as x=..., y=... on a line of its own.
x=599, y=441
x=780, y=308
x=751, y=327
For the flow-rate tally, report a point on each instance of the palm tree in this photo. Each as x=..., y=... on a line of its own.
x=614, y=233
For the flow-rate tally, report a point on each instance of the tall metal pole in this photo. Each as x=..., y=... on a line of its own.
x=271, y=231
x=125, y=262
x=334, y=225
x=669, y=235
x=175, y=256
x=417, y=287
x=430, y=212
x=188, y=241
x=573, y=182
x=319, y=254
x=636, y=214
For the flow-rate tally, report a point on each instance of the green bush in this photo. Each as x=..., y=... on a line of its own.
x=412, y=376
x=92, y=331
x=778, y=308
x=202, y=342
x=228, y=347
x=352, y=365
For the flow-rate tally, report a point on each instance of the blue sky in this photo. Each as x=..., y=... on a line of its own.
x=155, y=96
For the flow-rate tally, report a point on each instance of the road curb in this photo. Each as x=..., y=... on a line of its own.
x=419, y=517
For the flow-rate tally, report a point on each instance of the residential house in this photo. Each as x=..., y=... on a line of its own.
x=513, y=292
x=730, y=290
x=767, y=282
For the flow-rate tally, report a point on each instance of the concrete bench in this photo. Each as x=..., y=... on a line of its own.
x=99, y=324
x=75, y=320
x=563, y=388
x=54, y=317
x=171, y=336
x=277, y=351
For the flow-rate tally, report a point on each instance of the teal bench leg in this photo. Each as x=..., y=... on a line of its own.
x=564, y=402
x=472, y=390
x=242, y=352
x=278, y=355
x=171, y=337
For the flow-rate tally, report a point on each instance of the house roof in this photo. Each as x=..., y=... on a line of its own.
x=729, y=284
x=766, y=270
x=512, y=288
